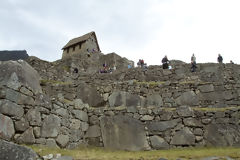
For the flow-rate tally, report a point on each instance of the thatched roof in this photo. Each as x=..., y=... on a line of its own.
x=81, y=39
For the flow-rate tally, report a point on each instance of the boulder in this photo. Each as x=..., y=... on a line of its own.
x=11, y=109
x=62, y=140
x=154, y=100
x=222, y=135
x=158, y=143
x=90, y=95
x=123, y=133
x=156, y=127
x=21, y=125
x=80, y=115
x=6, y=127
x=50, y=127
x=16, y=73
x=93, y=131
x=121, y=98
x=183, y=137
x=185, y=111
x=206, y=88
x=27, y=137
x=11, y=151
x=187, y=98
x=19, y=98
x=34, y=117
x=192, y=122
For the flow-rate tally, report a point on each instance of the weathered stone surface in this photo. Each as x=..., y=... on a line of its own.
x=206, y=88
x=84, y=126
x=27, y=137
x=185, y=111
x=6, y=127
x=75, y=135
x=62, y=140
x=78, y=104
x=93, y=131
x=16, y=73
x=147, y=118
x=37, y=132
x=18, y=97
x=21, y=125
x=90, y=95
x=80, y=115
x=156, y=127
x=154, y=100
x=34, y=117
x=124, y=133
x=50, y=127
x=11, y=109
x=51, y=143
x=62, y=112
x=222, y=135
x=11, y=151
x=183, y=137
x=158, y=143
x=75, y=124
x=188, y=98
x=192, y=122
x=43, y=100
x=123, y=99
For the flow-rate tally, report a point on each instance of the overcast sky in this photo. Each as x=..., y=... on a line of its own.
x=147, y=29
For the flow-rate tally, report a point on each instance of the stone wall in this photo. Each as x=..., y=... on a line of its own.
x=120, y=112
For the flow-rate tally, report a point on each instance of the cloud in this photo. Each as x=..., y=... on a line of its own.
x=134, y=29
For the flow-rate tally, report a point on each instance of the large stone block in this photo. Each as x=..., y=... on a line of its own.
x=183, y=137
x=158, y=143
x=16, y=73
x=11, y=109
x=18, y=97
x=11, y=151
x=156, y=127
x=93, y=131
x=90, y=95
x=27, y=137
x=206, y=88
x=80, y=115
x=124, y=133
x=34, y=117
x=154, y=100
x=21, y=125
x=222, y=135
x=50, y=127
x=6, y=127
x=187, y=98
x=121, y=98
x=62, y=140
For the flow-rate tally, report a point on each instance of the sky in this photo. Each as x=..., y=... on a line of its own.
x=135, y=29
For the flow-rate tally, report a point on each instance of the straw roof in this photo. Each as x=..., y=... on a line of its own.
x=81, y=39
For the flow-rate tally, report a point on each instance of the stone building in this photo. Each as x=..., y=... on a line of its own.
x=85, y=43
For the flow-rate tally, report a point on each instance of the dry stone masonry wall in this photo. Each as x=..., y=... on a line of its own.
x=124, y=110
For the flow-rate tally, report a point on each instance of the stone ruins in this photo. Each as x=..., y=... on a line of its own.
x=47, y=103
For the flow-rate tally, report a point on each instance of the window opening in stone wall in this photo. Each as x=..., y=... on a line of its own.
x=67, y=50
x=80, y=45
x=73, y=48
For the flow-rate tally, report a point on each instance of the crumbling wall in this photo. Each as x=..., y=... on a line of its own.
x=126, y=113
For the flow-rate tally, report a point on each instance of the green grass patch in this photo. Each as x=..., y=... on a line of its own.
x=94, y=153
x=208, y=109
x=45, y=82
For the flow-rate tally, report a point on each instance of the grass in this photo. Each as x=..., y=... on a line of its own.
x=44, y=82
x=214, y=109
x=93, y=153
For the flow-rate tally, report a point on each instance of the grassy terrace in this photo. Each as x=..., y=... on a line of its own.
x=89, y=153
